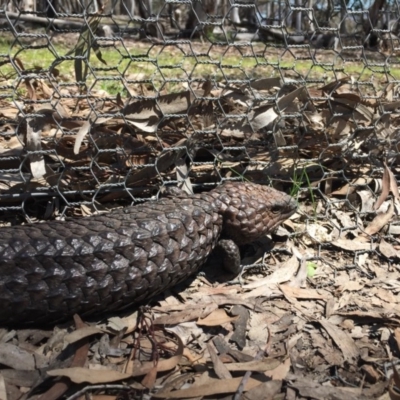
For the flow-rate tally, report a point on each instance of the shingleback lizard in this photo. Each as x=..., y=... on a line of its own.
x=50, y=271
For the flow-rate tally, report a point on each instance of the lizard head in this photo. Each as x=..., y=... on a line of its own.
x=250, y=211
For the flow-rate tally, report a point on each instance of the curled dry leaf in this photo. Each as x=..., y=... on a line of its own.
x=380, y=221
x=127, y=324
x=389, y=184
x=93, y=376
x=318, y=234
x=83, y=131
x=146, y=115
x=33, y=144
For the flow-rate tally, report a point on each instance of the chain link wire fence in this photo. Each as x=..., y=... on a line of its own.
x=103, y=104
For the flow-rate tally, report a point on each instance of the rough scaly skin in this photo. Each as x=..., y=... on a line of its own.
x=52, y=270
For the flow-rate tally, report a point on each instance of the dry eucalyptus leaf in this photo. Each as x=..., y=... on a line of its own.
x=342, y=339
x=266, y=364
x=353, y=245
x=216, y=318
x=380, y=221
x=211, y=387
x=388, y=250
x=219, y=367
x=93, y=376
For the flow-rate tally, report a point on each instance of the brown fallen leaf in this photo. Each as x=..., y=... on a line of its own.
x=394, y=381
x=212, y=387
x=189, y=314
x=389, y=184
x=240, y=325
x=222, y=300
x=265, y=115
x=311, y=389
x=396, y=335
x=381, y=316
x=388, y=250
x=128, y=323
x=93, y=376
x=300, y=293
x=351, y=187
x=265, y=364
x=216, y=318
x=14, y=357
x=224, y=348
x=149, y=380
x=264, y=287
x=20, y=377
x=219, y=367
x=265, y=391
x=79, y=359
x=380, y=221
x=353, y=245
x=352, y=286
x=3, y=389
x=162, y=365
x=146, y=114
x=342, y=339
x=371, y=373
x=280, y=372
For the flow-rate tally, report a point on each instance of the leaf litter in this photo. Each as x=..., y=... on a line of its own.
x=317, y=317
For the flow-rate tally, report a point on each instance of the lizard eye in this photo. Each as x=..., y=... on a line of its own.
x=275, y=209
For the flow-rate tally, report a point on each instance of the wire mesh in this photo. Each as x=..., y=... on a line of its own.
x=102, y=104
